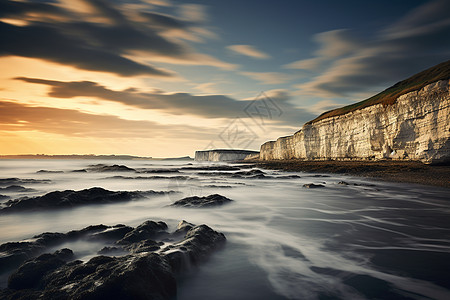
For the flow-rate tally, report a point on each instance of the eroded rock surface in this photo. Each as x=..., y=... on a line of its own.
x=70, y=198
x=146, y=271
x=207, y=201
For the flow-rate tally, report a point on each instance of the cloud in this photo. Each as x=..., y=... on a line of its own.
x=19, y=117
x=96, y=35
x=411, y=45
x=193, y=12
x=311, y=64
x=249, y=51
x=205, y=106
x=268, y=77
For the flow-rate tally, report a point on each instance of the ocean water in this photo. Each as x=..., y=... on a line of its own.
x=365, y=240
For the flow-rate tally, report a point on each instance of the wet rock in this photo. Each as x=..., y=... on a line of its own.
x=144, y=246
x=147, y=230
x=313, y=186
x=30, y=274
x=106, y=168
x=4, y=197
x=207, y=201
x=183, y=227
x=115, y=233
x=12, y=254
x=49, y=171
x=318, y=176
x=343, y=183
x=79, y=171
x=212, y=168
x=108, y=250
x=152, y=171
x=19, y=181
x=196, y=246
x=218, y=186
x=143, y=274
x=126, y=277
x=16, y=188
x=70, y=198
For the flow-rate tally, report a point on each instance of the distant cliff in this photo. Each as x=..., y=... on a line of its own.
x=223, y=155
x=400, y=123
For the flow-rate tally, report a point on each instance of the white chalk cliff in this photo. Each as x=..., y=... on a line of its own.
x=415, y=127
x=223, y=155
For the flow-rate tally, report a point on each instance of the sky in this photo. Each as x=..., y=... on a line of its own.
x=164, y=78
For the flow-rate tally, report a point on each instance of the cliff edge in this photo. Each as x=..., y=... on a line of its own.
x=409, y=121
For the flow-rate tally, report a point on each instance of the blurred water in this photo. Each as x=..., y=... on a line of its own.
x=374, y=240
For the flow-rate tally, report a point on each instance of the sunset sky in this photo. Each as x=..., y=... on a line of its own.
x=165, y=78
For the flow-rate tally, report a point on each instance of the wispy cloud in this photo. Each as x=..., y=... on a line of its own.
x=100, y=36
x=249, y=51
x=269, y=77
x=204, y=106
x=19, y=117
x=413, y=43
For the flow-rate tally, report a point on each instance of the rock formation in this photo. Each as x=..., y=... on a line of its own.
x=223, y=155
x=412, y=126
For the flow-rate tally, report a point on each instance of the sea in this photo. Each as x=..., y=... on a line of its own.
x=351, y=238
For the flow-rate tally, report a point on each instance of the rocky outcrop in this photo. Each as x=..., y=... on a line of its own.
x=147, y=269
x=415, y=127
x=207, y=201
x=70, y=198
x=223, y=155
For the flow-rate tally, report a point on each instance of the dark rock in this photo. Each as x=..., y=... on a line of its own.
x=16, y=188
x=343, y=183
x=126, y=277
x=70, y=198
x=147, y=230
x=106, y=168
x=142, y=274
x=79, y=171
x=313, y=186
x=30, y=274
x=144, y=246
x=218, y=186
x=4, y=197
x=318, y=176
x=183, y=227
x=196, y=246
x=15, y=253
x=212, y=168
x=151, y=171
x=115, y=233
x=108, y=250
x=207, y=201
x=48, y=171
x=18, y=181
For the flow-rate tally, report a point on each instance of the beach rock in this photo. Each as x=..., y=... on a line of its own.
x=19, y=181
x=147, y=230
x=343, y=183
x=70, y=198
x=207, y=201
x=313, y=186
x=49, y=171
x=212, y=168
x=4, y=197
x=114, y=233
x=103, y=277
x=111, y=251
x=30, y=274
x=142, y=274
x=106, y=168
x=198, y=243
x=16, y=188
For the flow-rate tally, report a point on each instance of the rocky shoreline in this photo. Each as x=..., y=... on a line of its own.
x=395, y=171
x=151, y=259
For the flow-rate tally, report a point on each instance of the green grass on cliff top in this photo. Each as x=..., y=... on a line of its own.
x=390, y=95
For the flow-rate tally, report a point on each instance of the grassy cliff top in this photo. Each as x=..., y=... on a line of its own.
x=390, y=95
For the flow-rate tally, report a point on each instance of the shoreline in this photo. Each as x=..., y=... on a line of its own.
x=393, y=171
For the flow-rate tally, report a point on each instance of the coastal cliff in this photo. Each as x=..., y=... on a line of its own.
x=412, y=126
x=223, y=155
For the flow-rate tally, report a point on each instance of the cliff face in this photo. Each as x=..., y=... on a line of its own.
x=415, y=127
x=223, y=155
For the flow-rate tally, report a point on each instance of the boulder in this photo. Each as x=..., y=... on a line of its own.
x=207, y=201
